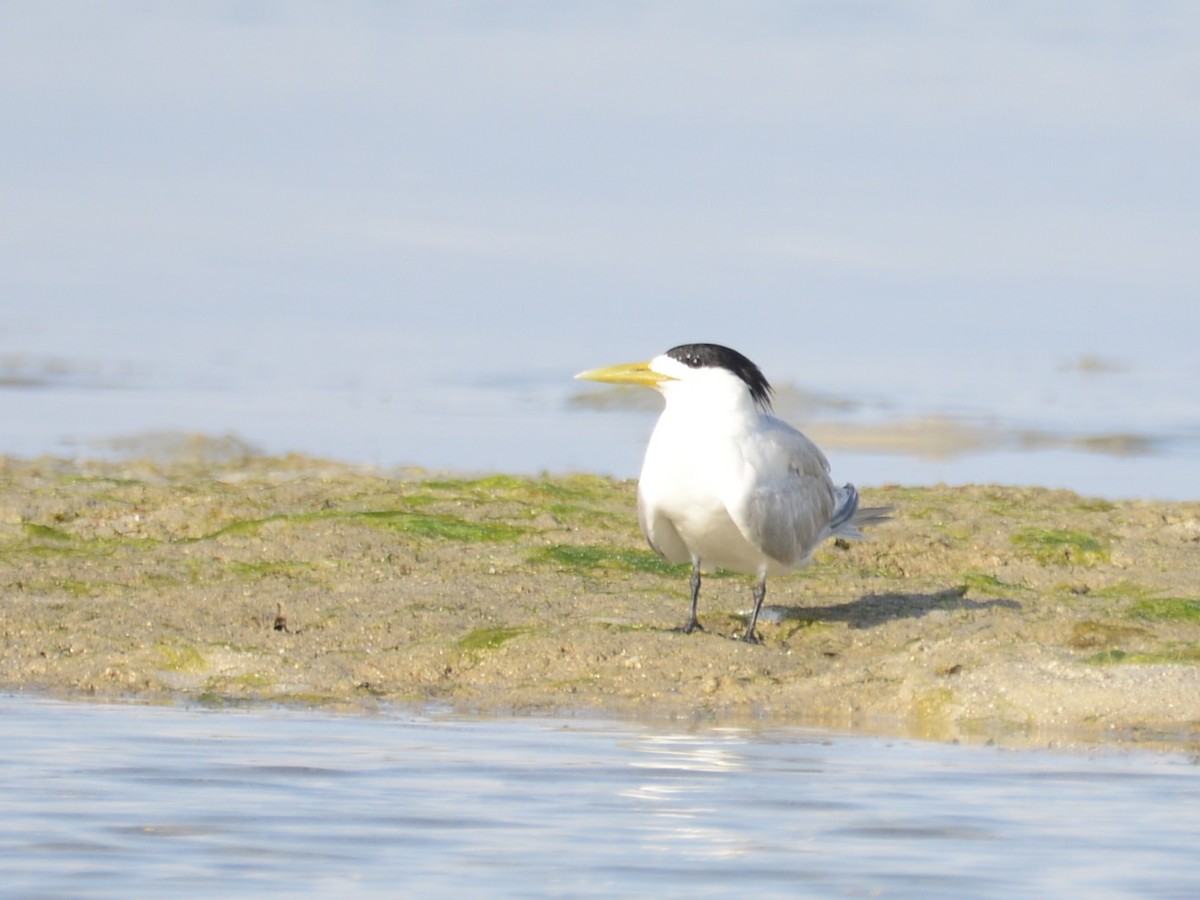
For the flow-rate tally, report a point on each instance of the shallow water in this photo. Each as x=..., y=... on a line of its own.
x=538, y=422
x=390, y=235
x=123, y=801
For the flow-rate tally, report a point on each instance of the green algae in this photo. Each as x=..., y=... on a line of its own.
x=273, y=569
x=434, y=525
x=1169, y=609
x=589, y=558
x=988, y=585
x=484, y=639
x=1184, y=655
x=1051, y=546
x=180, y=657
x=402, y=521
x=38, y=532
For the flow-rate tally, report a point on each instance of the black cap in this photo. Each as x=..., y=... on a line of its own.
x=714, y=356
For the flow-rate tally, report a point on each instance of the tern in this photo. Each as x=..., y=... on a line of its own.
x=724, y=483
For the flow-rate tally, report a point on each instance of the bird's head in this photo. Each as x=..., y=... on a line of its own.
x=703, y=372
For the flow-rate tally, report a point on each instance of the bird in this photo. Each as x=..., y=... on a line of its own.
x=724, y=483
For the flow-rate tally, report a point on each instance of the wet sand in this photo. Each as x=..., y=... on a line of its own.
x=980, y=613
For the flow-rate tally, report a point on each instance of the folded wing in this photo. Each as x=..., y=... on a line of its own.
x=788, y=502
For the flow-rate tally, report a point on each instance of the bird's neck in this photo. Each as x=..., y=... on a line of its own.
x=712, y=414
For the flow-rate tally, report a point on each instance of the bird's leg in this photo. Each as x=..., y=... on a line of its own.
x=760, y=594
x=693, y=623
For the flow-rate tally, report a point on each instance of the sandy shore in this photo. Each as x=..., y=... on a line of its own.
x=980, y=613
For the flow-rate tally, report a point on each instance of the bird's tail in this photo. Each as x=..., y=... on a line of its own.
x=848, y=518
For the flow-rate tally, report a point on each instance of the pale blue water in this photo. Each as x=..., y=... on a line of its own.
x=391, y=233
x=134, y=801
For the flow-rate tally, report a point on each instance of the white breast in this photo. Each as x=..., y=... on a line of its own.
x=687, y=480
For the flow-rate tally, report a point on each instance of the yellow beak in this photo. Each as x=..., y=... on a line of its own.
x=625, y=373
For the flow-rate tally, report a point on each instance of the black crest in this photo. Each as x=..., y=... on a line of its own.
x=714, y=356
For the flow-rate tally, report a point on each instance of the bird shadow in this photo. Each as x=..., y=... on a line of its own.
x=872, y=610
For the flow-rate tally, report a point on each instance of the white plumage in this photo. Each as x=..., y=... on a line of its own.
x=724, y=483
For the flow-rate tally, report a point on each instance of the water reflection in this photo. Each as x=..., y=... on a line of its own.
x=691, y=753
x=670, y=807
x=115, y=801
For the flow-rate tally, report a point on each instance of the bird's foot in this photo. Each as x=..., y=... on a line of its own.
x=751, y=638
x=692, y=625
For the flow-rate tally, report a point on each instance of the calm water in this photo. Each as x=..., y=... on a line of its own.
x=490, y=419
x=128, y=801
x=390, y=233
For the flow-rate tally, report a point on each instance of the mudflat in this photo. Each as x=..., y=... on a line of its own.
x=978, y=613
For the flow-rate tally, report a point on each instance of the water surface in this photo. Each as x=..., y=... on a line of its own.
x=390, y=234
x=127, y=801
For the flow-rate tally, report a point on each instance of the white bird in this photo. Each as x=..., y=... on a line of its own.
x=724, y=483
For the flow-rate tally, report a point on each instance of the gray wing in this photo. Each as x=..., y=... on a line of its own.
x=787, y=500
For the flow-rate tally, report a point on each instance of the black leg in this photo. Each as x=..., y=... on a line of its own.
x=760, y=594
x=694, y=623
